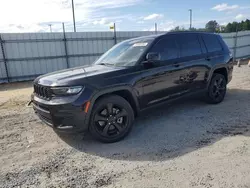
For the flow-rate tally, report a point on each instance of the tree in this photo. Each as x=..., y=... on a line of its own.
x=212, y=26
x=222, y=28
x=200, y=29
x=178, y=28
x=229, y=28
x=246, y=25
x=235, y=26
x=193, y=29
x=238, y=26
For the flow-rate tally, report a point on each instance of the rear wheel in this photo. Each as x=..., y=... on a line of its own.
x=217, y=89
x=111, y=119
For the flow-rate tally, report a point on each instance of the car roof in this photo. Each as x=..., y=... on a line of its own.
x=195, y=32
x=169, y=33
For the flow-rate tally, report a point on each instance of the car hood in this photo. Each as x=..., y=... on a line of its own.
x=74, y=75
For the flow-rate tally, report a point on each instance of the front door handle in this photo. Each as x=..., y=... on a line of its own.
x=208, y=58
x=176, y=64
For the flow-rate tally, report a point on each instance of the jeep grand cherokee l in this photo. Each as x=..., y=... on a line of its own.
x=105, y=97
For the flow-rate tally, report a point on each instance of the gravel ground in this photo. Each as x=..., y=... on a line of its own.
x=186, y=144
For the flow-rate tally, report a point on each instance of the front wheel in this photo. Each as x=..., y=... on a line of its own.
x=217, y=89
x=111, y=119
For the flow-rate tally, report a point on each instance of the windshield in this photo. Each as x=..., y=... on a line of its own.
x=126, y=53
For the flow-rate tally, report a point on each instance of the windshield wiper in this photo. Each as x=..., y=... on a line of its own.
x=105, y=64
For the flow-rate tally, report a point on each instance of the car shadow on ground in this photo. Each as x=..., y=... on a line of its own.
x=173, y=130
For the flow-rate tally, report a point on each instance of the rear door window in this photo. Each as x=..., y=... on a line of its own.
x=189, y=45
x=167, y=48
x=212, y=43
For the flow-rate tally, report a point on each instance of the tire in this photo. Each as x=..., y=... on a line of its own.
x=111, y=119
x=217, y=89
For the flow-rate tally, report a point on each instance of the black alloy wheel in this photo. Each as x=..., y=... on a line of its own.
x=217, y=89
x=111, y=119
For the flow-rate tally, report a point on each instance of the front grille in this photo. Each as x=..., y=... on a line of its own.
x=42, y=91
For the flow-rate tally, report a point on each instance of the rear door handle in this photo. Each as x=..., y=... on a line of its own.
x=208, y=58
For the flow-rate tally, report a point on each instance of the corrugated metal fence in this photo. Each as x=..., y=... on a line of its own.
x=27, y=55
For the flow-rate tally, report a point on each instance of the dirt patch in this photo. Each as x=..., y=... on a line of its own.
x=13, y=103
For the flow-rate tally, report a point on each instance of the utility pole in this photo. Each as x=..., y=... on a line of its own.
x=50, y=27
x=115, y=39
x=190, y=10
x=155, y=28
x=73, y=12
x=65, y=45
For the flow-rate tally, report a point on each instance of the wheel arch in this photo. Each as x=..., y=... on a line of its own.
x=221, y=69
x=124, y=91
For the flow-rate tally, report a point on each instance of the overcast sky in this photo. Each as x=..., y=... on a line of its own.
x=98, y=15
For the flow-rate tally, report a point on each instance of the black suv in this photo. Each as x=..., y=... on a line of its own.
x=135, y=74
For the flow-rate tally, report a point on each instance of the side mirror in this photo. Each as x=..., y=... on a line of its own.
x=153, y=56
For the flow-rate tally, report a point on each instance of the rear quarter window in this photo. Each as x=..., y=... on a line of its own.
x=212, y=43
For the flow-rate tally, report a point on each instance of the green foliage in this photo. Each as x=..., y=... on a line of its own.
x=246, y=25
x=178, y=28
x=237, y=26
x=213, y=26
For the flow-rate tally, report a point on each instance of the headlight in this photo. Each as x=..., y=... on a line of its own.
x=67, y=90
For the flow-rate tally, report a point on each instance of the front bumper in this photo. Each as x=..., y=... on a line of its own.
x=63, y=115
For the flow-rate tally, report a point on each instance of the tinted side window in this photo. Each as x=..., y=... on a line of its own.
x=190, y=45
x=167, y=48
x=212, y=43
